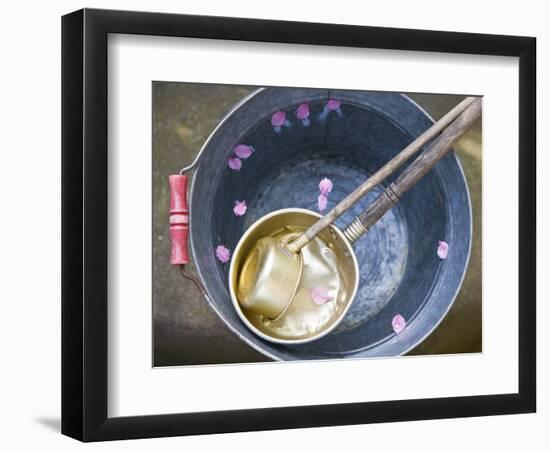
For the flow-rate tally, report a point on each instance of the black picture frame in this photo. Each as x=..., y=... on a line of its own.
x=84, y=224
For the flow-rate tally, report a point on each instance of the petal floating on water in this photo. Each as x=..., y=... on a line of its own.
x=333, y=105
x=278, y=119
x=243, y=151
x=325, y=186
x=322, y=201
x=442, y=249
x=302, y=112
x=222, y=253
x=240, y=208
x=320, y=296
x=234, y=163
x=398, y=323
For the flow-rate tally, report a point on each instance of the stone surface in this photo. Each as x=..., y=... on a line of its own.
x=186, y=330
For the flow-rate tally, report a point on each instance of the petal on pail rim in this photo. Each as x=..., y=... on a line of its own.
x=320, y=296
x=442, y=249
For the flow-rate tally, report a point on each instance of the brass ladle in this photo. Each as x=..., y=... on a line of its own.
x=271, y=272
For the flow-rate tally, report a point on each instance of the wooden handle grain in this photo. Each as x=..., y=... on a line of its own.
x=179, y=219
x=414, y=172
x=389, y=168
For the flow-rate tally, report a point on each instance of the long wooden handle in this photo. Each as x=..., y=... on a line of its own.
x=389, y=168
x=414, y=172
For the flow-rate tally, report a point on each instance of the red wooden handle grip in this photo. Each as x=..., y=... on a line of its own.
x=179, y=219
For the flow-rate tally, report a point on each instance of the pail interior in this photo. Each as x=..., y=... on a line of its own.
x=398, y=263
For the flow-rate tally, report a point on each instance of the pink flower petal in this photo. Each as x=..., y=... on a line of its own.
x=333, y=105
x=320, y=296
x=222, y=253
x=442, y=249
x=278, y=119
x=243, y=151
x=325, y=186
x=322, y=201
x=398, y=323
x=240, y=208
x=302, y=112
x=234, y=163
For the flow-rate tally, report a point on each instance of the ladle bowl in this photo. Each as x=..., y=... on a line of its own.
x=301, y=320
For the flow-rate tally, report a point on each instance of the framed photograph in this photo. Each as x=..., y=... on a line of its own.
x=274, y=225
